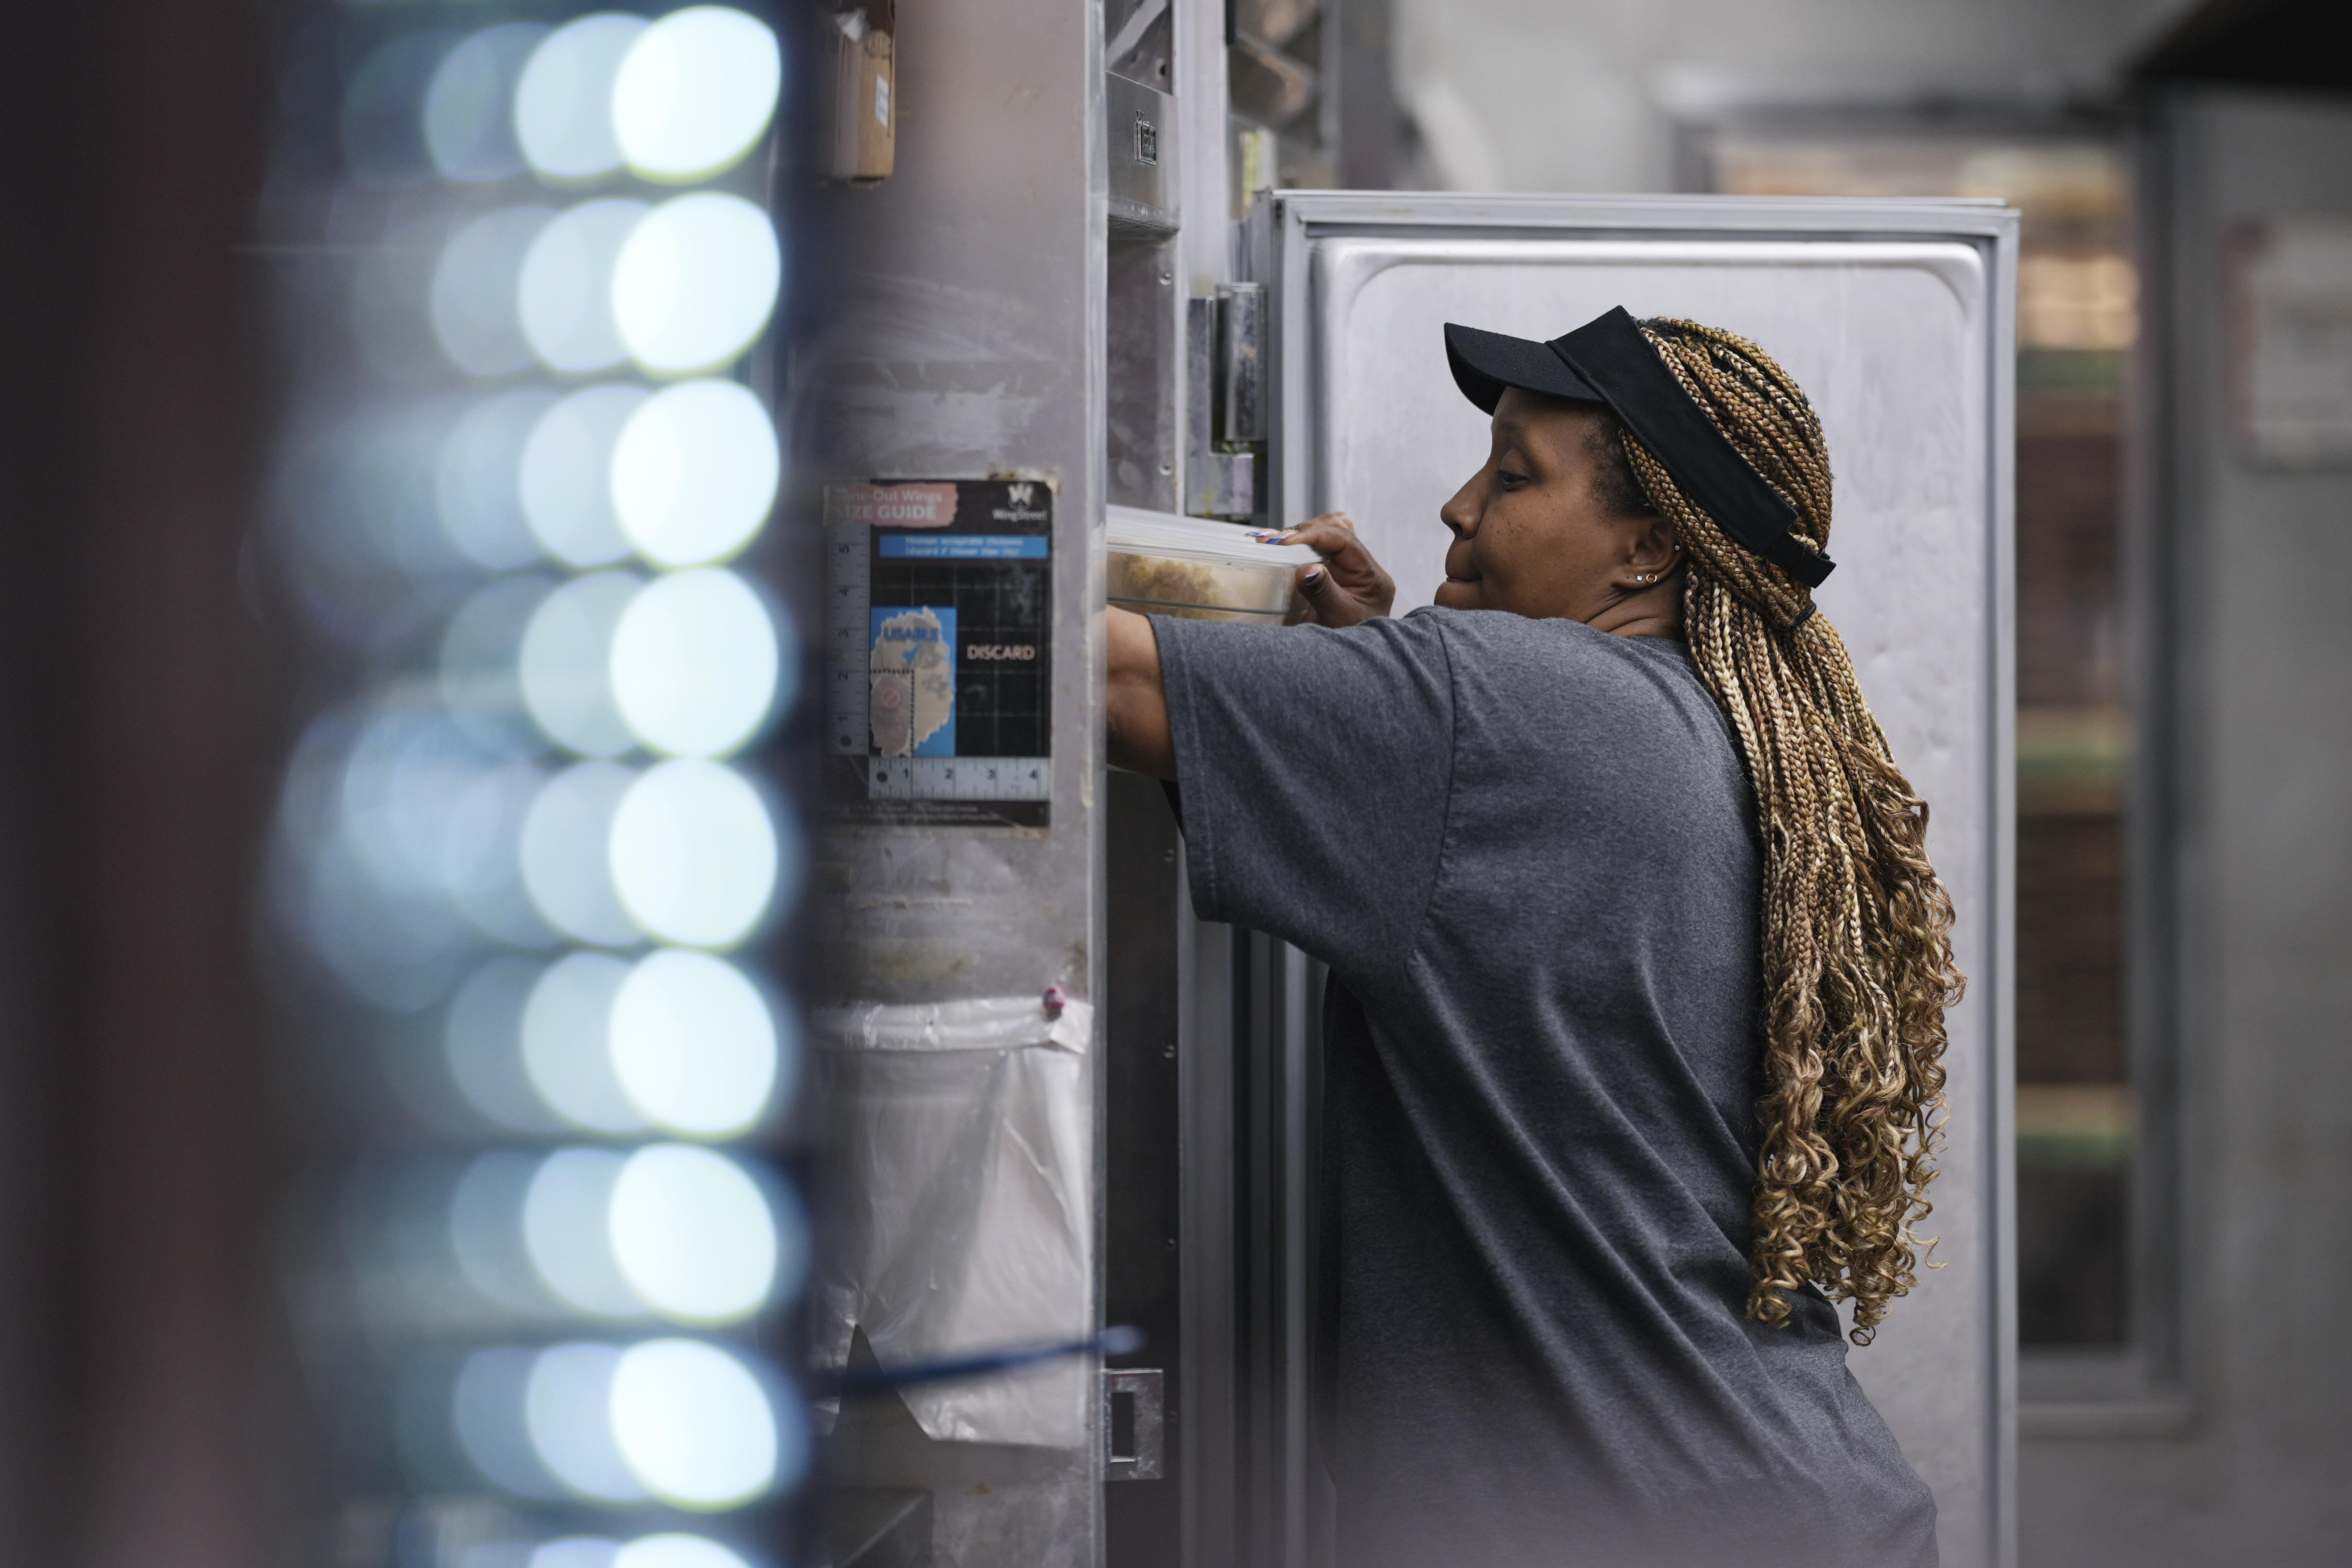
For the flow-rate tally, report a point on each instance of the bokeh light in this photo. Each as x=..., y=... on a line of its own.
x=563, y=104
x=569, y=881
x=482, y=1043
x=567, y=475
x=381, y=124
x=477, y=483
x=696, y=1047
x=482, y=856
x=694, y=283
x=524, y=921
x=566, y=1228
x=567, y=664
x=365, y=818
x=480, y=665
x=475, y=289
x=693, y=1236
x=694, y=857
x=694, y=472
x=410, y=767
x=675, y=1551
x=697, y=1428
x=575, y=1551
x=694, y=663
x=468, y=106
x=485, y=1406
x=486, y=1233
x=695, y=92
x=568, y=1414
x=566, y=1030
x=565, y=289
x=666, y=1550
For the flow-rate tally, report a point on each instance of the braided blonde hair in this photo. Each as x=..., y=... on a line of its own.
x=1857, y=958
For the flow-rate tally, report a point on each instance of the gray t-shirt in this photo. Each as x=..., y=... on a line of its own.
x=1526, y=849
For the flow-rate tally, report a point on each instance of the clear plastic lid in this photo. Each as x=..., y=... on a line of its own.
x=1197, y=566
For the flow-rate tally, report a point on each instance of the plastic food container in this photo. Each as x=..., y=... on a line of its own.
x=1198, y=568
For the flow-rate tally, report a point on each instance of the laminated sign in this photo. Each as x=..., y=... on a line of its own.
x=940, y=649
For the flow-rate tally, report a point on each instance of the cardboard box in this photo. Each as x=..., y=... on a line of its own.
x=862, y=119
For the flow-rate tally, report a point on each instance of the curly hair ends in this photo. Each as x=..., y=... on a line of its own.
x=1857, y=958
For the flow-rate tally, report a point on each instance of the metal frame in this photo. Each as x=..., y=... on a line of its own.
x=2147, y=1388
x=1282, y=228
x=968, y=342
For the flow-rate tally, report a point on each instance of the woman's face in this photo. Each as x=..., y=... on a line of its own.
x=1533, y=530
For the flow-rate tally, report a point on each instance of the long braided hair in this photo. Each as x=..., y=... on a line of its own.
x=1857, y=958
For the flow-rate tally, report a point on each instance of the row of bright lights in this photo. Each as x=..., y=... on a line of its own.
x=678, y=288
x=498, y=807
x=689, y=664
x=646, y=1552
x=668, y=1230
x=676, y=1421
x=683, y=852
x=679, y=1042
x=676, y=101
x=682, y=477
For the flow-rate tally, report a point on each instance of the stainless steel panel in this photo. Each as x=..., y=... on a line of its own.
x=1139, y=150
x=1144, y=354
x=968, y=338
x=1896, y=317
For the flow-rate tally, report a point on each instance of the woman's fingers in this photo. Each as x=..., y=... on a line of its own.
x=1330, y=535
x=1327, y=603
x=1348, y=567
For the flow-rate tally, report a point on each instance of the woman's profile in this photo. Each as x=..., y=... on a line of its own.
x=1639, y=972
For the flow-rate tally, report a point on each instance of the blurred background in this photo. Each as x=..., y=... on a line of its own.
x=332, y=714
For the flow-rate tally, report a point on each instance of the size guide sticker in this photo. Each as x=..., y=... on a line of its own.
x=938, y=652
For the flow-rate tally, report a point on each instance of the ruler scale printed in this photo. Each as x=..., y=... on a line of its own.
x=938, y=652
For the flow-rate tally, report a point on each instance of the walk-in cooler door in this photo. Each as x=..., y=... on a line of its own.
x=1896, y=317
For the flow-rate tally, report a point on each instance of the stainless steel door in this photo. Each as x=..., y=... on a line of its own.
x=1897, y=317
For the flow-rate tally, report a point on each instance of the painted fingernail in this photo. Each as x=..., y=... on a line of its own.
x=1313, y=577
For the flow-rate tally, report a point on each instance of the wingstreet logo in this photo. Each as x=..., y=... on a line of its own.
x=1020, y=509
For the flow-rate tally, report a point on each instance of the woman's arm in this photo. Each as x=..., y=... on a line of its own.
x=1349, y=586
x=1136, y=705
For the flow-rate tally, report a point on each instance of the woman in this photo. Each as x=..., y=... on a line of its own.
x=1638, y=973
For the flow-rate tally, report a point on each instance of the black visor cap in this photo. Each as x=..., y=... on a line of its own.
x=1485, y=363
x=1607, y=359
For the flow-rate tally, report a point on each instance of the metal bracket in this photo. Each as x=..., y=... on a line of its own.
x=1134, y=1418
x=1225, y=375
x=1241, y=361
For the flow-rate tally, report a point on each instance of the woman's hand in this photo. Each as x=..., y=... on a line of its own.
x=1349, y=585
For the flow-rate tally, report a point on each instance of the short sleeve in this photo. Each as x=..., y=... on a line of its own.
x=1314, y=766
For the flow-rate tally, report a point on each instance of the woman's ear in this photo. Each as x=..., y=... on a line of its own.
x=1649, y=545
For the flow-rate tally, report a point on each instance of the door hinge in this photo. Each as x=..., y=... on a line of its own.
x=1225, y=372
